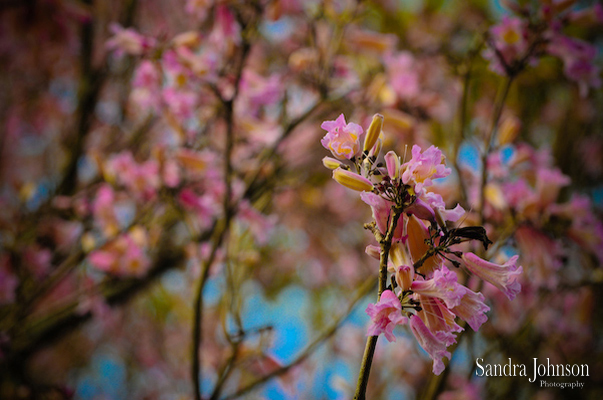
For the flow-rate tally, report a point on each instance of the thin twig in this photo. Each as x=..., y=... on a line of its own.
x=362, y=291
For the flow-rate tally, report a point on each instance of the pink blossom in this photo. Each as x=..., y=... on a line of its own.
x=381, y=213
x=433, y=344
x=343, y=140
x=104, y=211
x=180, y=102
x=443, y=285
x=403, y=74
x=260, y=91
x=171, y=173
x=509, y=39
x=123, y=256
x=423, y=167
x=227, y=24
x=578, y=60
x=141, y=179
x=436, y=202
x=198, y=8
x=146, y=75
x=504, y=277
x=421, y=210
x=542, y=255
x=437, y=317
x=128, y=41
x=385, y=315
x=146, y=85
x=549, y=182
x=472, y=309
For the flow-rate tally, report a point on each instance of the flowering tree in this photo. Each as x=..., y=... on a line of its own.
x=168, y=229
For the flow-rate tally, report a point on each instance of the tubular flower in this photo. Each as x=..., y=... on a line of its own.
x=437, y=317
x=433, y=344
x=385, y=315
x=443, y=285
x=504, y=277
x=417, y=234
x=352, y=181
x=472, y=309
x=343, y=140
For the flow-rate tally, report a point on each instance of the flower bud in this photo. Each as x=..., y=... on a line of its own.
x=405, y=274
x=373, y=132
x=392, y=161
x=376, y=150
x=331, y=163
x=352, y=180
x=373, y=251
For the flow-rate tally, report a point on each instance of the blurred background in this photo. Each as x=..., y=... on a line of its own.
x=166, y=222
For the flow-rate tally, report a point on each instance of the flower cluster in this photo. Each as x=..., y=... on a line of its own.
x=518, y=40
x=417, y=244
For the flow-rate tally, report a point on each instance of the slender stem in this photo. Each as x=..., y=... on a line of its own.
x=462, y=125
x=229, y=207
x=489, y=140
x=361, y=292
x=371, y=342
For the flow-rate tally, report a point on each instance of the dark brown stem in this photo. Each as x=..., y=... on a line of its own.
x=371, y=342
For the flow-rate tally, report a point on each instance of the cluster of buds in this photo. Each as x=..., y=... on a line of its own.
x=416, y=243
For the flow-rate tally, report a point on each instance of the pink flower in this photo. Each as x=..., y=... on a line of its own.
x=403, y=75
x=381, y=213
x=509, y=42
x=443, y=285
x=180, y=102
x=104, y=211
x=204, y=207
x=578, y=59
x=141, y=179
x=198, y=8
x=549, y=182
x=259, y=91
x=437, y=317
x=423, y=167
x=504, y=277
x=472, y=309
x=128, y=41
x=343, y=140
x=436, y=202
x=385, y=315
x=124, y=256
x=146, y=75
x=433, y=344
